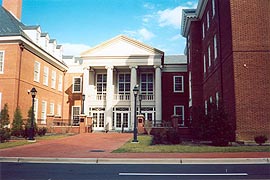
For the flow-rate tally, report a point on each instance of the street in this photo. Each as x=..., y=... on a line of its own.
x=10, y=171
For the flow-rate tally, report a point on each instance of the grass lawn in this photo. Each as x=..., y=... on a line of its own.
x=21, y=142
x=144, y=146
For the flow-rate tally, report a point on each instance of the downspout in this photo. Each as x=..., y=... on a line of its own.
x=63, y=93
x=19, y=78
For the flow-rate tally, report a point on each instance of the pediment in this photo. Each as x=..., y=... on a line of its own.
x=121, y=46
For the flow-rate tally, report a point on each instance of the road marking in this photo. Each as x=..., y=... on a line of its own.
x=183, y=174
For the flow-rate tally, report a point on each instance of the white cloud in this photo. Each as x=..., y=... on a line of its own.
x=171, y=17
x=141, y=34
x=149, y=6
x=74, y=49
x=176, y=37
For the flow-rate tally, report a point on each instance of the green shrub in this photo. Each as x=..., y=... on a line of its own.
x=4, y=117
x=42, y=131
x=260, y=139
x=166, y=136
x=4, y=134
x=17, y=124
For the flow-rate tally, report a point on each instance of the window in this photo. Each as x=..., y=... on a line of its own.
x=2, y=55
x=178, y=82
x=217, y=99
x=53, y=79
x=101, y=84
x=43, y=112
x=179, y=111
x=36, y=71
x=124, y=84
x=77, y=82
x=46, y=76
x=205, y=107
x=190, y=89
x=211, y=100
x=52, y=108
x=209, y=55
x=203, y=33
x=147, y=83
x=213, y=8
x=215, y=46
x=36, y=109
x=60, y=83
x=59, y=109
x=207, y=19
x=75, y=114
x=204, y=64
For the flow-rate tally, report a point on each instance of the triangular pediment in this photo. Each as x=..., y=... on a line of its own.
x=121, y=46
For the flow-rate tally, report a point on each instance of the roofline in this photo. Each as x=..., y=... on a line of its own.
x=187, y=17
x=133, y=41
x=54, y=61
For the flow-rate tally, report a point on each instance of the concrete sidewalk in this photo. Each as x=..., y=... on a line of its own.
x=98, y=147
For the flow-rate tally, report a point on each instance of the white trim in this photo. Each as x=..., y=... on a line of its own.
x=207, y=20
x=213, y=8
x=205, y=107
x=53, y=79
x=60, y=83
x=51, y=108
x=203, y=30
x=209, y=56
x=43, y=112
x=3, y=61
x=80, y=85
x=215, y=47
x=36, y=71
x=217, y=98
x=183, y=113
x=204, y=64
x=174, y=84
x=46, y=76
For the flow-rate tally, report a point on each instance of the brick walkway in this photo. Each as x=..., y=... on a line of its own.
x=100, y=145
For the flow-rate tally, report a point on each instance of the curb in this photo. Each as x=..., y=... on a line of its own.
x=136, y=160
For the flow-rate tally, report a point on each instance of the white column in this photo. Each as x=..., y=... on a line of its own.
x=133, y=82
x=158, y=95
x=109, y=97
x=85, y=89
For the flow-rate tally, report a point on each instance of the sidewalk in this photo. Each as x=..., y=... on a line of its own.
x=98, y=146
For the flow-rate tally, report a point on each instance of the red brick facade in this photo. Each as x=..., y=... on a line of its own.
x=240, y=72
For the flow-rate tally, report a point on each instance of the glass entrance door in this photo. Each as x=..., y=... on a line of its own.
x=121, y=120
x=98, y=121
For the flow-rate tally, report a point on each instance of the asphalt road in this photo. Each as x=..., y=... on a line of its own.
x=36, y=171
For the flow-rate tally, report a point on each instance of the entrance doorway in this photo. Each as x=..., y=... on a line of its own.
x=121, y=118
x=98, y=117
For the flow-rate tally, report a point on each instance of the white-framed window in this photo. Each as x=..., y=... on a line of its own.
x=101, y=84
x=124, y=83
x=204, y=64
x=59, y=109
x=211, y=100
x=178, y=83
x=190, y=88
x=53, y=79
x=43, y=112
x=75, y=114
x=2, y=61
x=52, y=108
x=36, y=109
x=207, y=20
x=217, y=99
x=205, y=107
x=46, y=76
x=179, y=111
x=209, y=56
x=77, y=85
x=203, y=32
x=36, y=71
x=213, y=8
x=147, y=83
x=60, y=83
x=215, y=46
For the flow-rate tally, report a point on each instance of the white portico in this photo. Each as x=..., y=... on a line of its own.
x=111, y=70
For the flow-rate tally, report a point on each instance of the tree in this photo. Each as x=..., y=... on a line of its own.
x=17, y=124
x=4, y=122
x=4, y=117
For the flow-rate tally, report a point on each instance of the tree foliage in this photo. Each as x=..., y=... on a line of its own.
x=4, y=117
x=17, y=124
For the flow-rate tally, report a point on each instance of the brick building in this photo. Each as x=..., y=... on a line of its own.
x=29, y=58
x=228, y=49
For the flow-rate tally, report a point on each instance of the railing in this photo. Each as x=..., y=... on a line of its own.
x=122, y=97
x=148, y=97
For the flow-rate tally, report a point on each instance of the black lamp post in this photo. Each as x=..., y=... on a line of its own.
x=83, y=98
x=140, y=100
x=31, y=130
x=135, y=91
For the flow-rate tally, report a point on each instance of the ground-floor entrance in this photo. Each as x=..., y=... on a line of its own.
x=121, y=119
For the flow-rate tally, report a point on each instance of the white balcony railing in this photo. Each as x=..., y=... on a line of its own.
x=122, y=97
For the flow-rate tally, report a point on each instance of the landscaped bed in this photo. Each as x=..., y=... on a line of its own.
x=145, y=146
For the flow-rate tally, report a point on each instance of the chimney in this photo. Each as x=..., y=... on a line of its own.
x=13, y=6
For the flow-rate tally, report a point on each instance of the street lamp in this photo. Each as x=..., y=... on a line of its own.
x=135, y=91
x=31, y=130
x=83, y=98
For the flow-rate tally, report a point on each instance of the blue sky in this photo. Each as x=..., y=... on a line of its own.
x=82, y=24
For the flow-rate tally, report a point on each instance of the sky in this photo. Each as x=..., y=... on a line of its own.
x=79, y=25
